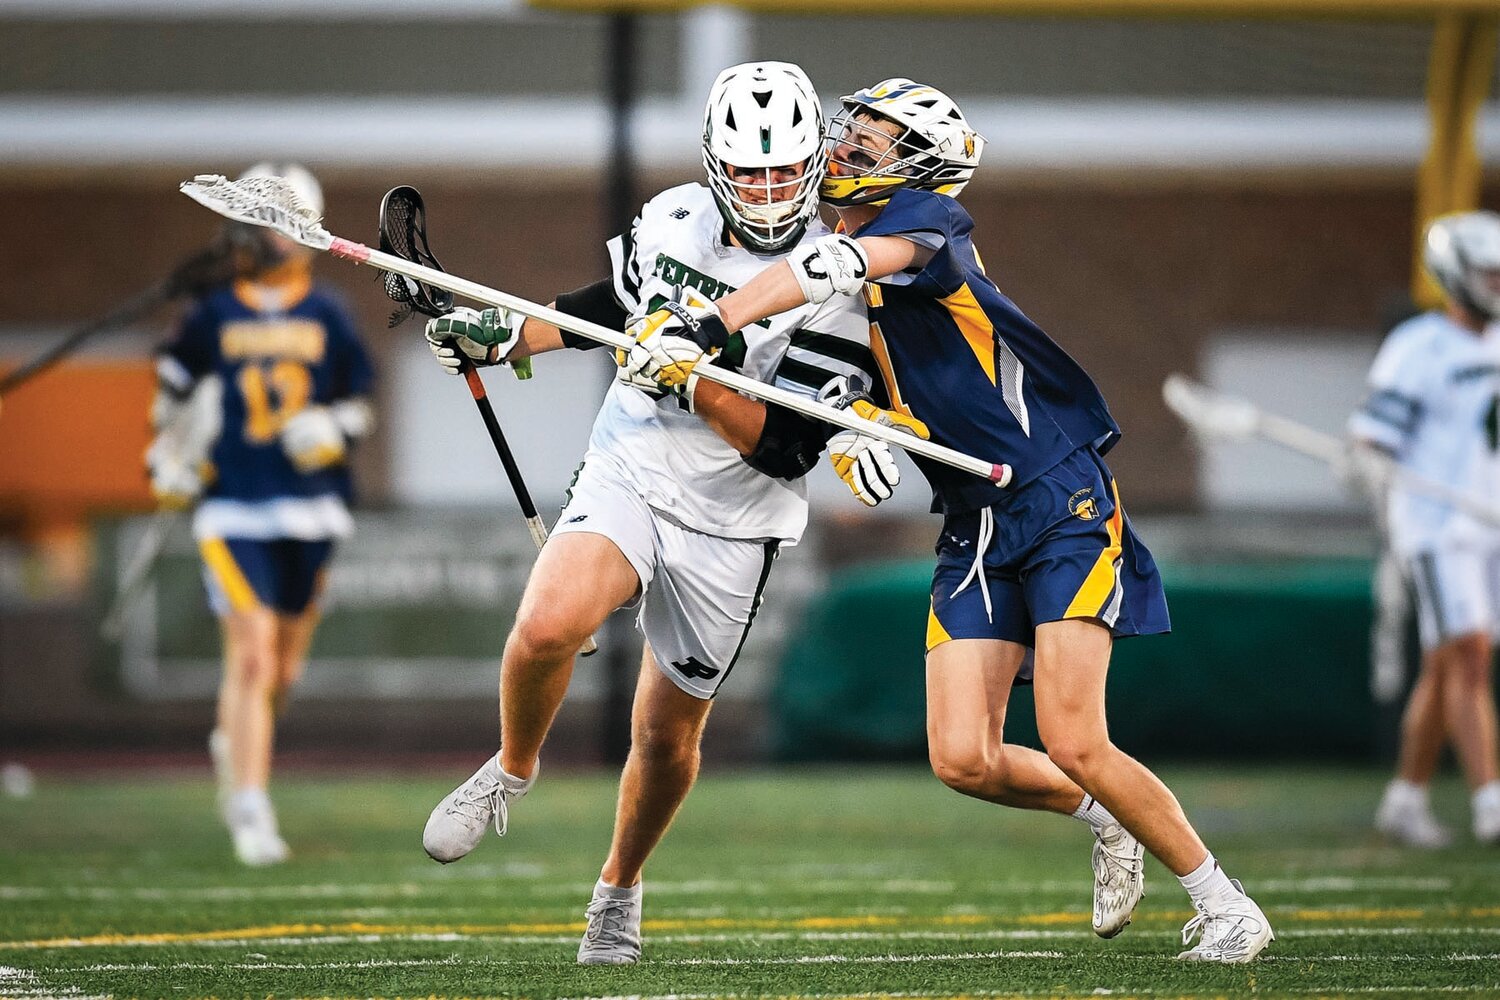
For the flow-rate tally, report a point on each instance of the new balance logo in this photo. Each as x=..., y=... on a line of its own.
x=678, y=213
x=692, y=667
x=577, y=518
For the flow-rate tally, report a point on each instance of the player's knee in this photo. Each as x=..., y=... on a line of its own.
x=1076, y=757
x=253, y=669
x=662, y=744
x=544, y=634
x=960, y=765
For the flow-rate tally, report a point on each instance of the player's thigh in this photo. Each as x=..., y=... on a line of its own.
x=968, y=687
x=578, y=578
x=665, y=719
x=1072, y=664
x=697, y=612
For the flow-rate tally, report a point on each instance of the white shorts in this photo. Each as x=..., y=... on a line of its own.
x=700, y=592
x=1458, y=592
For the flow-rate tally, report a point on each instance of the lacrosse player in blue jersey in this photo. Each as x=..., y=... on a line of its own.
x=1033, y=584
x=292, y=378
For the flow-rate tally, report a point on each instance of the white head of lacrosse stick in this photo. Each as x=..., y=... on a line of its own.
x=270, y=202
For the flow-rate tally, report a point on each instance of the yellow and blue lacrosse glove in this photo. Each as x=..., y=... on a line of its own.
x=865, y=463
x=176, y=482
x=317, y=437
x=485, y=337
x=669, y=343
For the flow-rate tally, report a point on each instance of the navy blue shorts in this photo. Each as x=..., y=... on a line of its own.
x=283, y=574
x=1060, y=547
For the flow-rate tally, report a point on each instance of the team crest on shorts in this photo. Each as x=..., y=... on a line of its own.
x=1082, y=504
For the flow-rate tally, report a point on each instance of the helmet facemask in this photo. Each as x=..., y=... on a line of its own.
x=763, y=151
x=898, y=134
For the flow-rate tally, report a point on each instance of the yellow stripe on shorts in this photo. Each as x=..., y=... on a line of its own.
x=227, y=572
x=936, y=634
x=1091, y=598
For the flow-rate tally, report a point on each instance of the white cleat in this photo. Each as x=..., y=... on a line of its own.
x=457, y=824
x=613, y=936
x=257, y=846
x=252, y=823
x=1410, y=822
x=1119, y=879
x=1233, y=930
x=1487, y=824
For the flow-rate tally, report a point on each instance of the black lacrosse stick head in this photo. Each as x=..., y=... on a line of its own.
x=403, y=233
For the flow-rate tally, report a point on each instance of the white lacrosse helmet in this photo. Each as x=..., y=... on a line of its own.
x=1462, y=251
x=934, y=148
x=764, y=115
x=303, y=183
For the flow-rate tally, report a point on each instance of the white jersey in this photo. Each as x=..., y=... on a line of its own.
x=1434, y=404
x=680, y=467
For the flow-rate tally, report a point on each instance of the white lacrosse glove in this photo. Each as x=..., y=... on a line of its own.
x=865, y=463
x=485, y=337
x=828, y=266
x=669, y=343
x=313, y=439
x=176, y=482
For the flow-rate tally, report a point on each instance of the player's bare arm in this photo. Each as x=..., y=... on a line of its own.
x=778, y=288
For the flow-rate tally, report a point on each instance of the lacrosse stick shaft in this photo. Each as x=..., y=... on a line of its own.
x=137, y=571
x=534, y=522
x=128, y=312
x=999, y=474
x=1220, y=415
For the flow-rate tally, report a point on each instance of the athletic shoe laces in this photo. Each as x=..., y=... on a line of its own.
x=1114, y=864
x=608, y=919
x=1222, y=932
x=480, y=799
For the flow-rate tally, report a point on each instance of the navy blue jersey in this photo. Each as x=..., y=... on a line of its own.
x=272, y=364
x=961, y=357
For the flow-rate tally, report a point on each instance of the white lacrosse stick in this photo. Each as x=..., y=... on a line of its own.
x=270, y=202
x=1218, y=415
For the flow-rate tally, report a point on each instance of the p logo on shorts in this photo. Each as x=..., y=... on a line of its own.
x=1082, y=504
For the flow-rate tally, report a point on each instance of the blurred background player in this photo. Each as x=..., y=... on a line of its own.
x=1434, y=407
x=680, y=515
x=1051, y=567
x=293, y=378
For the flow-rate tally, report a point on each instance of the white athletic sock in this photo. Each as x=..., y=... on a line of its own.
x=1407, y=793
x=1207, y=882
x=1092, y=812
x=603, y=888
x=1487, y=796
x=248, y=805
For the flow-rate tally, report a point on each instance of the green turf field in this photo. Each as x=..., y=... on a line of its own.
x=793, y=884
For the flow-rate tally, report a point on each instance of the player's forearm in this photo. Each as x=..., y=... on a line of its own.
x=776, y=289
x=772, y=291
x=735, y=418
x=537, y=337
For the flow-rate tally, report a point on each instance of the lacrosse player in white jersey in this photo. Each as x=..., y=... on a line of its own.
x=678, y=508
x=1434, y=406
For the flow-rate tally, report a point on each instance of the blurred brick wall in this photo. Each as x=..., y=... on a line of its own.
x=1128, y=279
